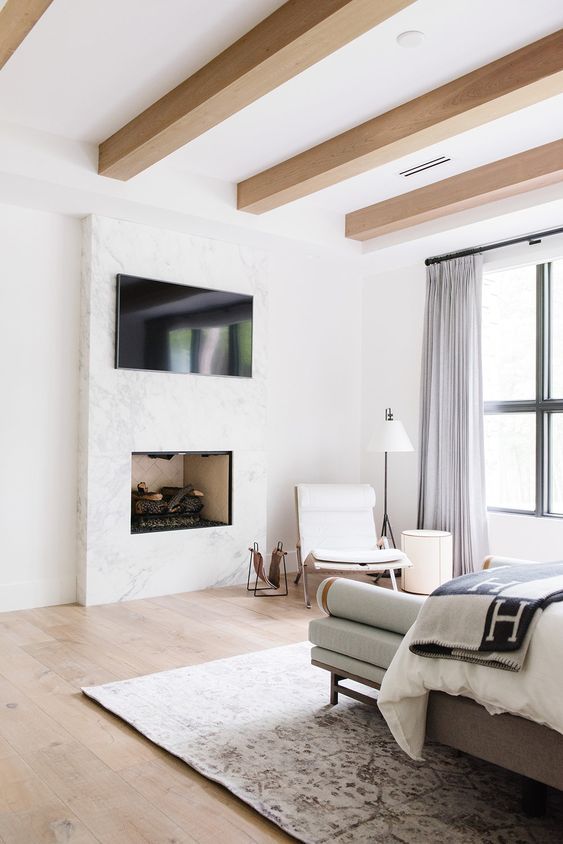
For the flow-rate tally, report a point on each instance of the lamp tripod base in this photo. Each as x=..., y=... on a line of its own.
x=387, y=530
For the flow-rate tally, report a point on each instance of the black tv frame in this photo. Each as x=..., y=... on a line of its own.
x=118, y=278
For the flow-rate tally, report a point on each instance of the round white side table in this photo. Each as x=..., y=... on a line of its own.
x=430, y=552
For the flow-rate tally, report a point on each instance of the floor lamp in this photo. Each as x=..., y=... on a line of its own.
x=390, y=435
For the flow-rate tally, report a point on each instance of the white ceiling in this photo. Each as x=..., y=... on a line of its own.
x=89, y=66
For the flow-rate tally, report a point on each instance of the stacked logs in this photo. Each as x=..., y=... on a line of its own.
x=171, y=500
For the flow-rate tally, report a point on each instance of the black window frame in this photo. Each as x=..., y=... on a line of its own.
x=543, y=406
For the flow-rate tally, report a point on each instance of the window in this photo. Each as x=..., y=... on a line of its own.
x=523, y=388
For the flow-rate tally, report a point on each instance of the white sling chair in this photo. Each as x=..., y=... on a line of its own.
x=337, y=533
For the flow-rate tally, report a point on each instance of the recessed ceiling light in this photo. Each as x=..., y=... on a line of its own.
x=410, y=38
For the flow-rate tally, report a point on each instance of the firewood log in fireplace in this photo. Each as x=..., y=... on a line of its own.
x=183, y=500
x=170, y=491
x=143, y=492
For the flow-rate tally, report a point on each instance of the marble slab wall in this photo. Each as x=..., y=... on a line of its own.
x=123, y=411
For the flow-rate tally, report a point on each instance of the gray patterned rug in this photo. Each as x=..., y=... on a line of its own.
x=260, y=725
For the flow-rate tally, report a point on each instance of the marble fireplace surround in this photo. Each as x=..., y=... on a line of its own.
x=125, y=411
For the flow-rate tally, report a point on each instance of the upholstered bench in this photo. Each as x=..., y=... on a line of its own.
x=359, y=638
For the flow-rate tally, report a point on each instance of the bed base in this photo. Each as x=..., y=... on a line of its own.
x=517, y=744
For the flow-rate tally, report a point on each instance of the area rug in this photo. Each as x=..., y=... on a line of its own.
x=260, y=725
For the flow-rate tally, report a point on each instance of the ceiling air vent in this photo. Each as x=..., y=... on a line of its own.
x=426, y=165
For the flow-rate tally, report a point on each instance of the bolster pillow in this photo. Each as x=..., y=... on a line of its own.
x=369, y=604
x=493, y=562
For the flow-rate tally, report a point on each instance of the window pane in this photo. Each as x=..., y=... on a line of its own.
x=510, y=459
x=557, y=330
x=509, y=334
x=556, y=468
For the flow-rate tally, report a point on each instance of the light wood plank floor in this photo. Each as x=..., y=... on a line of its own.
x=70, y=772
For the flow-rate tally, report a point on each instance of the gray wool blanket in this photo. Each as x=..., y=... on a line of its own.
x=487, y=617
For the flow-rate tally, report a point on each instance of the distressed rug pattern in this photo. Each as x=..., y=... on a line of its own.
x=260, y=725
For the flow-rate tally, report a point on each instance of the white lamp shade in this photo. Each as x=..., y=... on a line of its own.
x=390, y=436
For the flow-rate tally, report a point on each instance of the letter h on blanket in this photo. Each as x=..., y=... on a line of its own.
x=499, y=585
x=513, y=619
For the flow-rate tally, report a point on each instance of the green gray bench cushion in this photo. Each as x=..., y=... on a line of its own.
x=368, y=644
x=347, y=665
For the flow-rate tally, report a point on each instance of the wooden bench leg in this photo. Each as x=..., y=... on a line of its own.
x=334, y=681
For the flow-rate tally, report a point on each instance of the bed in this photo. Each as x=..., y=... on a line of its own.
x=512, y=719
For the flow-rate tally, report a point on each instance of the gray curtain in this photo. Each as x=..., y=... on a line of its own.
x=452, y=464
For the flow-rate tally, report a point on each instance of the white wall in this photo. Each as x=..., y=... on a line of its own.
x=526, y=536
x=314, y=384
x=39, y=312
x=326, y=386
x=314, y=395
x=392, y=341
x=393, y=309
x=123, y=411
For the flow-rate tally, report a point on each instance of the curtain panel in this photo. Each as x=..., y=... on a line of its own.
x=452, y=461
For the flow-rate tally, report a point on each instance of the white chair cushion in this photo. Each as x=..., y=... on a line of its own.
x=336, y=516
x=335, y=497
x=365, y=568
x=359, y=555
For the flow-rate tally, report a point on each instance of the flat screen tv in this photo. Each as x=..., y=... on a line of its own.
x=168, y=327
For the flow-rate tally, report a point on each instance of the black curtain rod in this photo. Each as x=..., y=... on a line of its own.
x=475, y=250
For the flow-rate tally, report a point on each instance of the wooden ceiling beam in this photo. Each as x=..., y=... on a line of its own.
x=527, y=76
x=17, y=19
x=294, y=37
x=517, y=174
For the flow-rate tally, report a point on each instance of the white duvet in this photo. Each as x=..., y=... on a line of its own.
x=535, y=692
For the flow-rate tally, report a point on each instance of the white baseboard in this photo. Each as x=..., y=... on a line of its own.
x=29, y=594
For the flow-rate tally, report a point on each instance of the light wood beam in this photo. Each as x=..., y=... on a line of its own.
x=17, y=19
x=531, y=74
x=526, y=171
x=294, y=37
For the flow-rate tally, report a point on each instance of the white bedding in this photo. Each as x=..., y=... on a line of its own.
x=535, y=692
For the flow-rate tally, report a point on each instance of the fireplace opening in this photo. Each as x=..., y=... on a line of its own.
x=180, y=490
